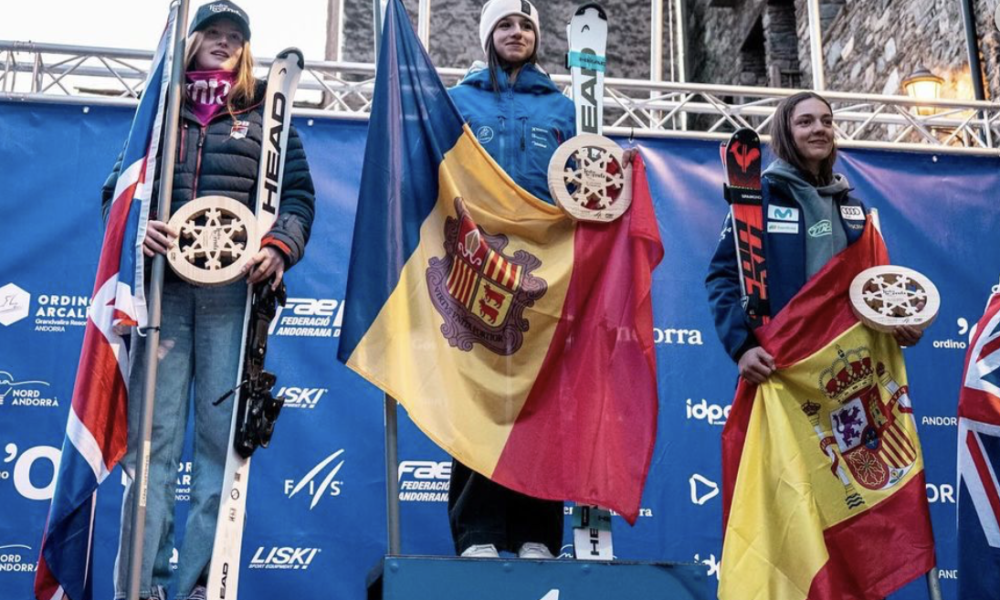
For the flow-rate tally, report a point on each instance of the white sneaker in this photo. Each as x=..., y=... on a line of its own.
x=481, y=551
x=534, y=550
x=198, y=593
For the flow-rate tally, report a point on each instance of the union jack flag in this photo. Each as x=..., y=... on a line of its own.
x=97, y=429
x=979, y=460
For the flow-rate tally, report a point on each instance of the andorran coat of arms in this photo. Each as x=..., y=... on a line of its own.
x=867, y=425
x=480, y=292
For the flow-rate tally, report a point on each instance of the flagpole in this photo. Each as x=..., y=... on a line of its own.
x=933, y=585
x=391, y=423
x=141, y=481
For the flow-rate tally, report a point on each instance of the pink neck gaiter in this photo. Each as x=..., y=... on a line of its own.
x=207, y=92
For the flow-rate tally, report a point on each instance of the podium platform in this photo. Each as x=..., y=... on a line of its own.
x=453, y=578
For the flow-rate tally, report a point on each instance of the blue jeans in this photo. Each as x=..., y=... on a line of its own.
x=200, y=338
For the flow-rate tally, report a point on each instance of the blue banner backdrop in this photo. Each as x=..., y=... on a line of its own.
x=317, y=501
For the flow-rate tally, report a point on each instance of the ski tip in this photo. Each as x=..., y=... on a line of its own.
x=594, y=5
x=288, y=52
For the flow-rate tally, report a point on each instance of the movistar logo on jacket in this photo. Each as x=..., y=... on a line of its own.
x=782, y=213
x=821, y=229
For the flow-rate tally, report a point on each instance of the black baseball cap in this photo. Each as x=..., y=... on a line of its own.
x=223, y=9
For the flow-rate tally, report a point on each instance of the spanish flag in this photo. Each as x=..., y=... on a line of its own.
x=519, y=340
x=823, y=477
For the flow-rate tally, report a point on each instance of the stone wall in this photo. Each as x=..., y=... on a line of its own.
x=455, y=34
x=869, y=46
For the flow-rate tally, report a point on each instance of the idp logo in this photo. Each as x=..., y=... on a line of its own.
x=285, y=557
x=327, y=486
x=14, y=304
x=34, y=470
x=20, y=390
x=715, y=414
x=300, y=397
x=308, y=317
x=424, y=481
x=702, y=489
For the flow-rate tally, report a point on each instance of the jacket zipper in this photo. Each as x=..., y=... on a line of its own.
x=197, y=164
x=503, y=136
x=182, y=146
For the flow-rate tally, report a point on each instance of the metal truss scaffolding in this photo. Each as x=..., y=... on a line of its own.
x=92, y=76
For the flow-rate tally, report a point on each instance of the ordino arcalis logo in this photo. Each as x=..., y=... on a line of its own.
x=481, y=292
x=14, y=303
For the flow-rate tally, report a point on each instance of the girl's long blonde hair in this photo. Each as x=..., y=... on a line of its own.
x=241, y=95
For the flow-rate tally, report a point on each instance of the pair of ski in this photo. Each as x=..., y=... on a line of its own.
x=741, y=157
x=254, y=409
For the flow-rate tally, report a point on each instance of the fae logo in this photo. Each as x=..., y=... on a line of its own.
x=681, y=337
x=308, y=317
x=327, y=487
x=24, y=463
x=424, y=481
x=943, y=493
x=711, y=563
x=300, y=397
x=20, y=392
x=14, y=304
x=17, y=558
x=285, y=557
x=702, y=489
x=715, y=414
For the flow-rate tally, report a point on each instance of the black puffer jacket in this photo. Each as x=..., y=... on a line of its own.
x=222, y=159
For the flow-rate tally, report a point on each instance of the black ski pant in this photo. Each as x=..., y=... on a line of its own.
x=483, y=512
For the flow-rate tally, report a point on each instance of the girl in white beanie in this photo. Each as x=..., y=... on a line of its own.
x=519, y=117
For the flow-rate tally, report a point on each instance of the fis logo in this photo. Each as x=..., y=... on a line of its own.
x=21, y=394
x=300, y=397
x=702, y=489
x=327, y=486
x=308, y=317
x=715, y=414
x=19, y=466
x=711, y=563
x=17, y=558
x=14, y=303
x=284, y=557
x=424, y=481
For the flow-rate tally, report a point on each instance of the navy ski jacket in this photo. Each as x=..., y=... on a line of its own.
x=785, y=253
x=522, y=126
x=222, y=159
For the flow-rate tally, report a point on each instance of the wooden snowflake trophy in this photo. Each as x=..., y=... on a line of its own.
x=888, y=296
x=587, y=175
x=217, y=236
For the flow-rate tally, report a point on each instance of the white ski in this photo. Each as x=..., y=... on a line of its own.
x=282, y=81
x=588, y=38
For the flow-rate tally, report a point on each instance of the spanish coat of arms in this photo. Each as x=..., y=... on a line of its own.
x=480, y=292
x=867, y=426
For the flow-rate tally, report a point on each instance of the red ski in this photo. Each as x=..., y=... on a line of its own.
x=742, y=157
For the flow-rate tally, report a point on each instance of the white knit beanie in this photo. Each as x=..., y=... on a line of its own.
x=495, y=10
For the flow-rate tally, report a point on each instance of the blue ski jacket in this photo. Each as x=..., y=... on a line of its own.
x=520, y=127
x=784, y=253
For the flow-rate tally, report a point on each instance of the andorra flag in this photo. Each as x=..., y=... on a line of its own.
x=518, y=340
x=823, y=476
